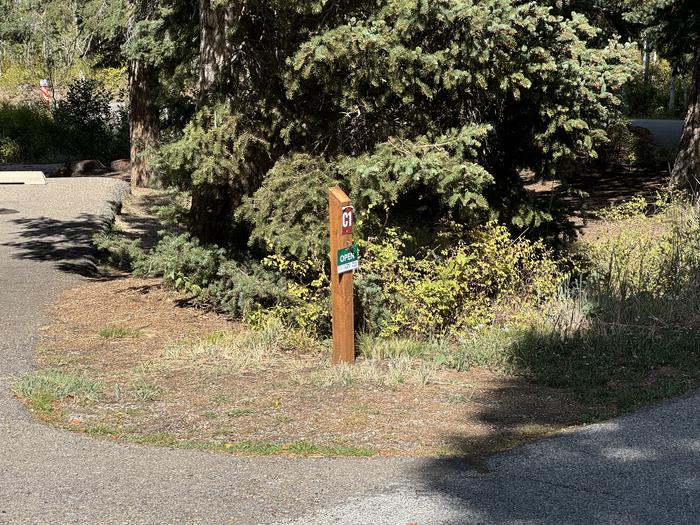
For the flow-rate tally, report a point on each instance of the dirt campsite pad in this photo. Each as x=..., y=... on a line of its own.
x=147, y=367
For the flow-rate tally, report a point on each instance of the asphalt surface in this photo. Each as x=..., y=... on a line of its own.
x=666, y=133
x=643, y=468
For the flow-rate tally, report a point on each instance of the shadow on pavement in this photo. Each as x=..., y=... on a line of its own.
x=643, y=468
x=67, y=243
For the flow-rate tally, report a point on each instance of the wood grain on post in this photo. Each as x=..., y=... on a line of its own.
x=341, y=284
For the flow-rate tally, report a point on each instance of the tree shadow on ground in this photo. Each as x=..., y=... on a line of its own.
x=573, y=205
x=643, y=468
x=635, y=469
x=144, y=226
x=66, y=243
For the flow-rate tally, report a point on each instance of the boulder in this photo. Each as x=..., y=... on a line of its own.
x=82, y=168
x=120, y=165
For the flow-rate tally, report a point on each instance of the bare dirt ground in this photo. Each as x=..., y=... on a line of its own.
x=149, y=396
x=131, y=336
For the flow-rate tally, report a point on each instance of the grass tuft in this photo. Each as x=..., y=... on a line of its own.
x=298, y=448
x=45, y=387
x=119, y=332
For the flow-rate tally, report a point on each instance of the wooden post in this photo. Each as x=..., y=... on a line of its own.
x=341, y=283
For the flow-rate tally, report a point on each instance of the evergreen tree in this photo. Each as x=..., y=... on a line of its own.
x=434, y=105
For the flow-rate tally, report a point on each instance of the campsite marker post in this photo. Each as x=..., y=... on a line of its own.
x=344, y=259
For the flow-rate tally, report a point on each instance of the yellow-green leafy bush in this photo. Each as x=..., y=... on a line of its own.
x=485, y=277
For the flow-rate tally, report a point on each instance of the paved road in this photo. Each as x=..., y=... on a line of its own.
x=640, y=469
x=666, y=133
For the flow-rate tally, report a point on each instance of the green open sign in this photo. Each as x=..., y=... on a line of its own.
x=348, y=259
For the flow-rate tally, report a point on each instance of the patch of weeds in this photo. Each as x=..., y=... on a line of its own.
x=248, y=350
x=220, y=399
x=43, y=403
x=150, y=368
x=45, y=387
x=198, y=445
x=387, y=372
x=100, y=430
x=377, y=348
x=237, y=351
x=210, y=415
x=365, y=409
x=446, y=451
x=144, y=391
x=238, y=412
x=301, y=448
x=162, y=439
x=216, y=371
x=459, y=398
x=119, y=332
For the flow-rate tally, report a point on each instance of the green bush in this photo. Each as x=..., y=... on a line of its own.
x=80, y=126
x=461, y=282
x=86, y=123
x=628, y=145
x=485, y=277
x=214, y=277
x=118, y=250
x=29, y=133
x=9, y=150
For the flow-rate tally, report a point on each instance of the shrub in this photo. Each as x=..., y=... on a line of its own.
x=483, y=278
x=628, y=145
x=213, y=276
x=81, y=125
x=10, y=151
x=86, y=122
x=117, y=250
x=29, y=133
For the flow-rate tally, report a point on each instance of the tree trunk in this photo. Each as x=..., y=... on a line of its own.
x=214, y=51
x=645, y=61
x=686, y=168
x=211, y=212
x=212, y=204
x=672, y=89
x=144, y=120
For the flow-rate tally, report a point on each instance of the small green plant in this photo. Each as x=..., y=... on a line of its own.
x=238, y=412
x=45, y=387
x=101, y=430
x=118, y=250
x=119, y=332
x=144, y=391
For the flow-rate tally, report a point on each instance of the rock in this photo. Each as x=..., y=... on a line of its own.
x=82, y=168
x=120, y=165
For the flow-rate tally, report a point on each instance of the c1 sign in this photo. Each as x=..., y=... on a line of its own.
x=347, y=217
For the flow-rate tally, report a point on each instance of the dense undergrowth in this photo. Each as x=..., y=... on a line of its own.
x=79, y=126
x=615, y=318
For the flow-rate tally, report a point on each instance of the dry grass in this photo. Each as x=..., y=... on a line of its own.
x=195, y=379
